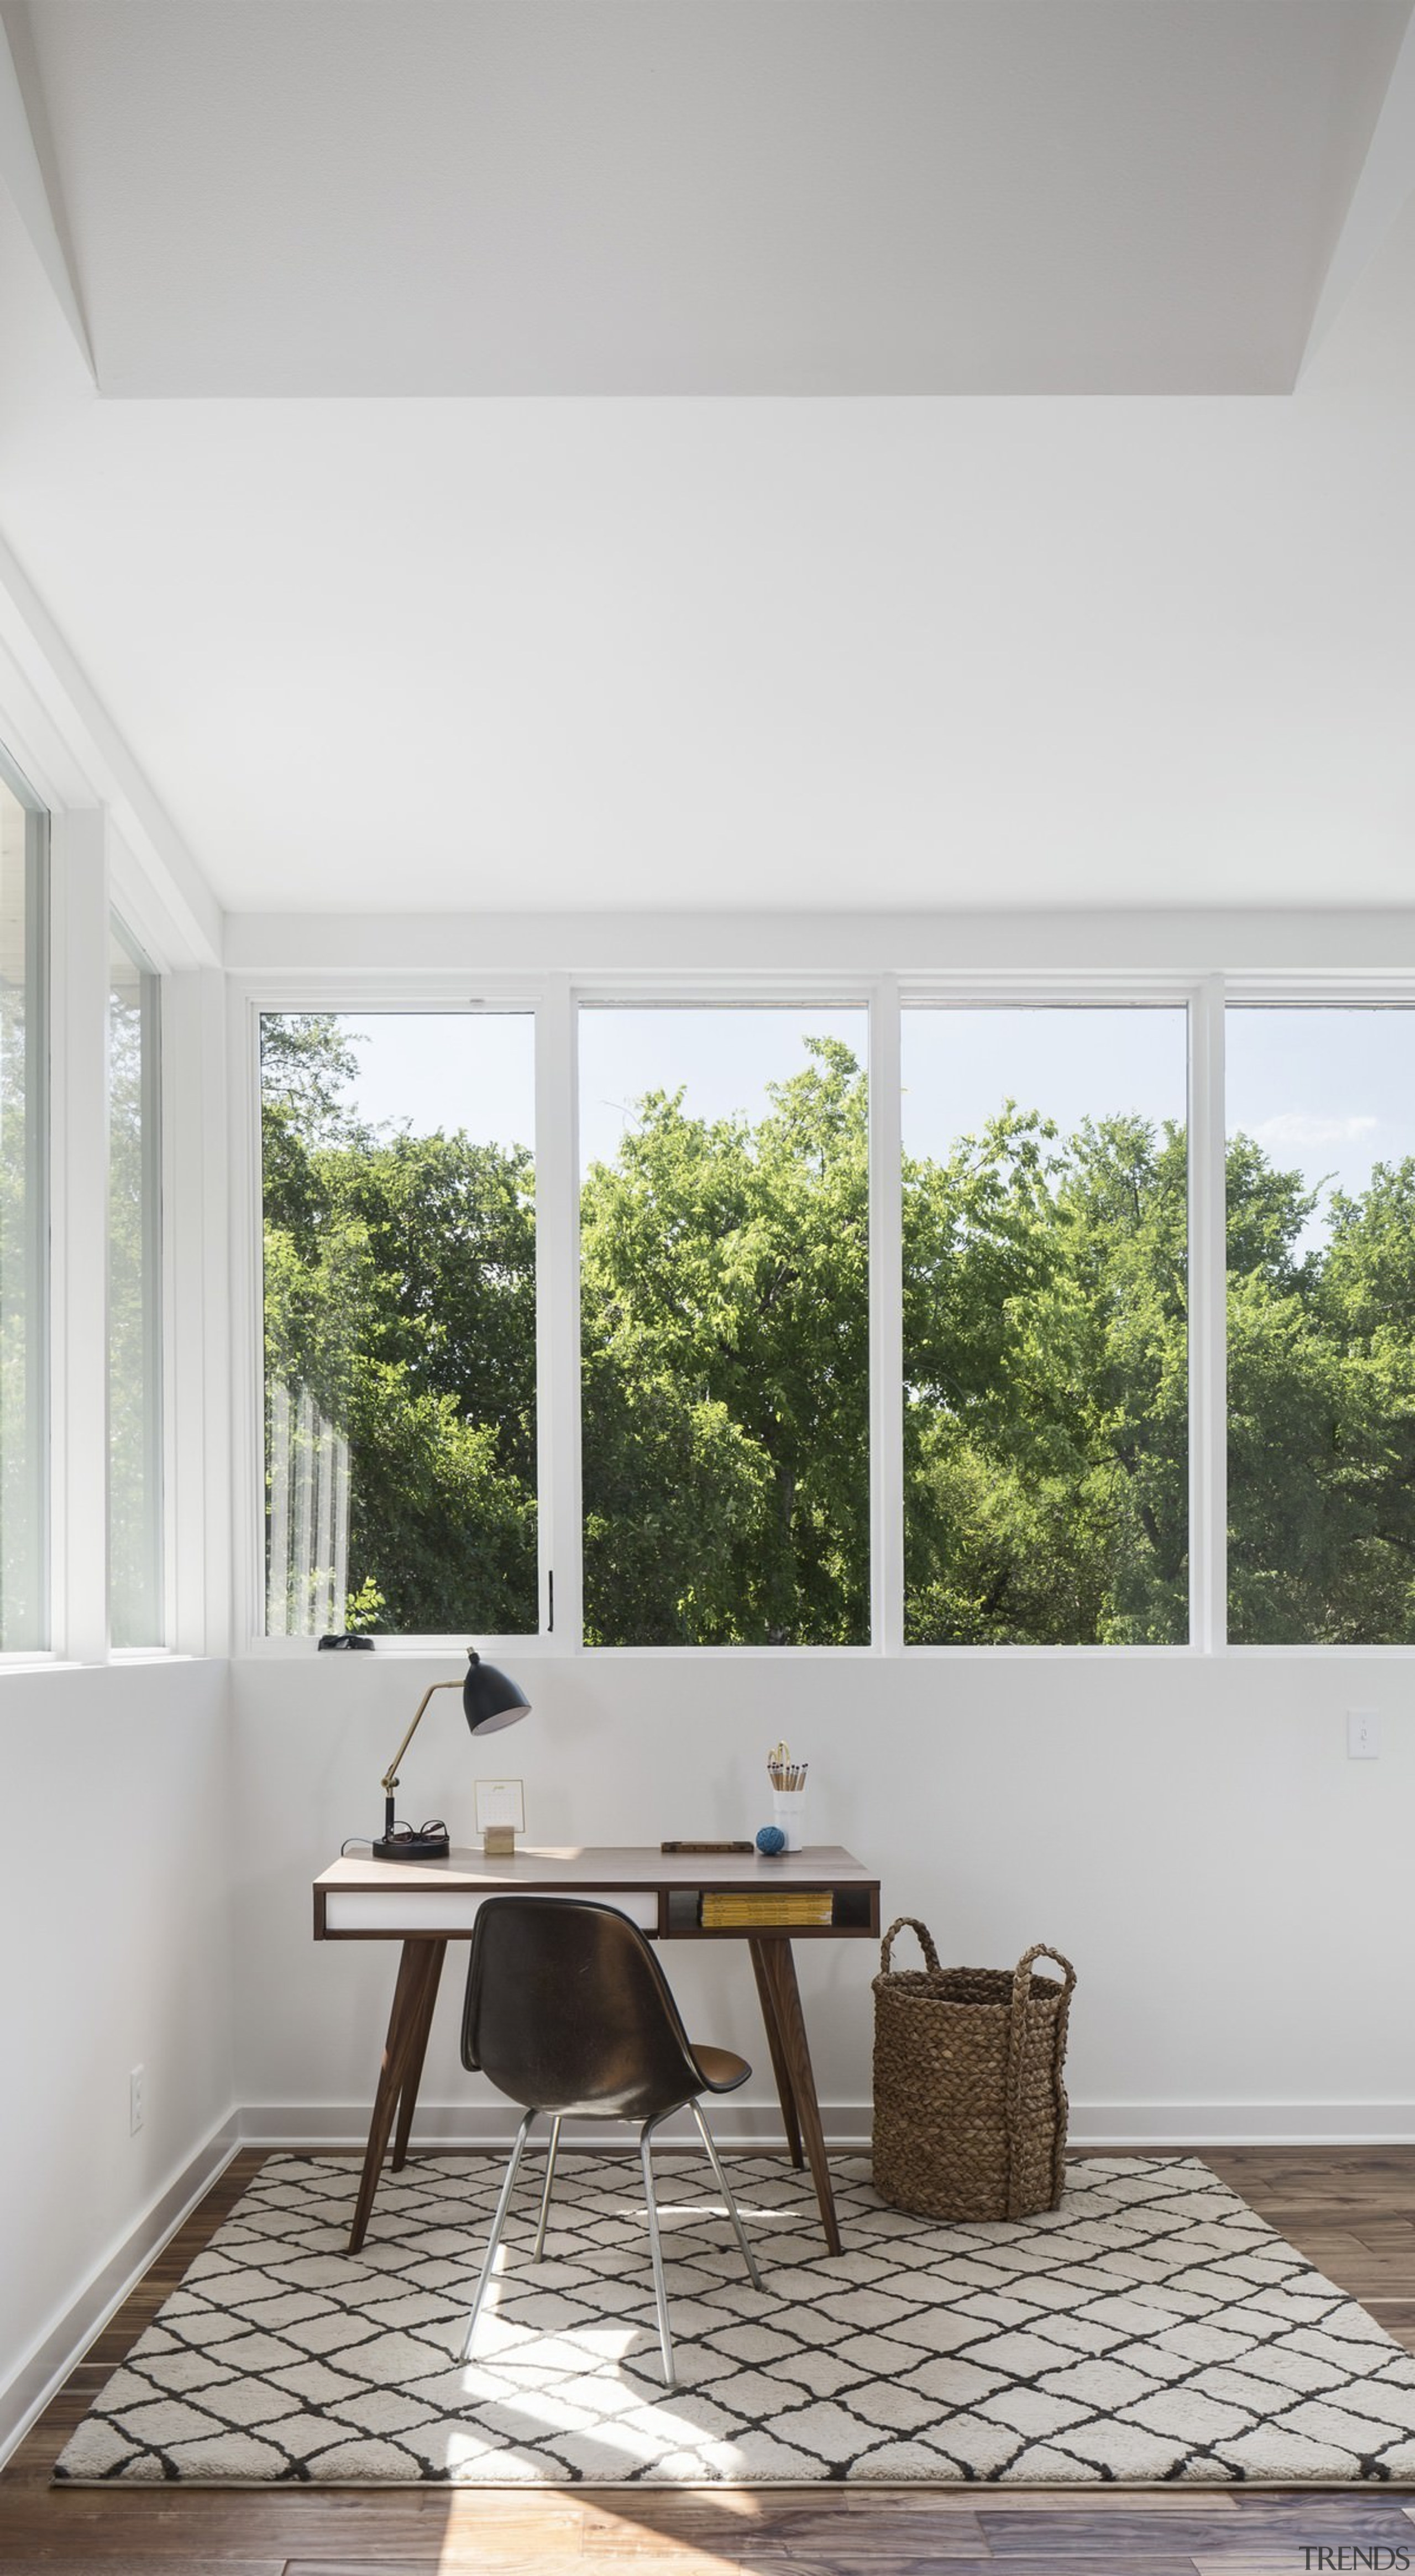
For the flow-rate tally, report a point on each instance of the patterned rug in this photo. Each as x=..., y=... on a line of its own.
x=1152, y=2329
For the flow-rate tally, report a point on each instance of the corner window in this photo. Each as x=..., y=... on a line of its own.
x=400, y=1322
x=134, y=1297
x=24, y=1218
x=706, y=1183
x=1045, y=1326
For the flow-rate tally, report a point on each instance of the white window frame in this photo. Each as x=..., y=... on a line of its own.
x=1376, y=988
x=1102, y=990
x=96, y=871
x=772, y=991
x=250, y=999
x=555, y=997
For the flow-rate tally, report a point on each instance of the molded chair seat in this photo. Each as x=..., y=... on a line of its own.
x=722, y=2069
x=569, y=2013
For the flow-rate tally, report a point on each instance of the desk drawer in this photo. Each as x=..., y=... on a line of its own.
x=392, y=1912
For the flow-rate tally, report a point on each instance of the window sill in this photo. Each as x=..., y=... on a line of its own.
x=120, y=1657
x=530, y=1650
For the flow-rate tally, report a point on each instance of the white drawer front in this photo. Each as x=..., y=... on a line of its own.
x=455, y=1909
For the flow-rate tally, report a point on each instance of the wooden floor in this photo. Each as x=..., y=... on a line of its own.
x=1350, y=2210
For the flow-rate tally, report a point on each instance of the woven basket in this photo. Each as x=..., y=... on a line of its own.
x=970, y=2112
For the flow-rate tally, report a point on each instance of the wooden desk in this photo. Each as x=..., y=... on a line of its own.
x=426, y=1904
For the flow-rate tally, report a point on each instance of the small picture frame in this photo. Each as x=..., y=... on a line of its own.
x=501, y=1815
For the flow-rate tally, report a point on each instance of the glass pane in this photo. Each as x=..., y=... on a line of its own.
x=1045, y=1327
x=725, y=1327
x=400, y=1323
x=24, y=1221
x=1321, y=1326
x=134, y=1299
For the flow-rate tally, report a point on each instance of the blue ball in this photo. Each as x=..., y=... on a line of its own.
x=770, y=1841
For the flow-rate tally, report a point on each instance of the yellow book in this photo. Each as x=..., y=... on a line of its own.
x=729, y=1909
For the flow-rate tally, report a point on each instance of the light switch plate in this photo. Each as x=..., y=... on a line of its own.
x=1363, y=1740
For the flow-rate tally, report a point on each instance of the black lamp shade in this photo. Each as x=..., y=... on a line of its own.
x=490, y=1699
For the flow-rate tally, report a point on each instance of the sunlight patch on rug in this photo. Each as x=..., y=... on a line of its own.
x=1153, y=2329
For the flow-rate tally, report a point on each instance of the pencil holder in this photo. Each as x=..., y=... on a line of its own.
x=788, y=1810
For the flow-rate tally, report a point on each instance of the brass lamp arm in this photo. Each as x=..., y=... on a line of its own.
x=389, y=1781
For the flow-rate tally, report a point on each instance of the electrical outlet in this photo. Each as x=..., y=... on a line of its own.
x=1363, y=1737
x=137, y=2099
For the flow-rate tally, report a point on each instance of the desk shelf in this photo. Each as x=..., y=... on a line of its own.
x=854, y=1910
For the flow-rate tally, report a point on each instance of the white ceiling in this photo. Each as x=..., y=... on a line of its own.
x=702, y=196
x=434, y=652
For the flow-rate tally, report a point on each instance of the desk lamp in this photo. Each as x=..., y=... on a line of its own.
x=490, y=1700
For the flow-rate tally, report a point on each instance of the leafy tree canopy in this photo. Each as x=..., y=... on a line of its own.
x=725, y=1320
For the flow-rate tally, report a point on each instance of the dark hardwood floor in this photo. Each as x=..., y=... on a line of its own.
x=1351, y=2210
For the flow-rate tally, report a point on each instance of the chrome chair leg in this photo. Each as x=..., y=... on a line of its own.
x=725, y=2187
x=549, y=2179
x=497, y=2224
x=656, y=2250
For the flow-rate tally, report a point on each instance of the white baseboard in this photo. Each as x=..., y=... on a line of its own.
x=1242, y=2124
x=49, y=2361
x=847, y=2124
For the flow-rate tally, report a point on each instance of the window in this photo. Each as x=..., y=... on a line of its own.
x=400, y=1322
x=24, y=1219
x=725, y=1326
x=1045, y=1326
x=732, y=1373
x=134, y=1297
x=1321, y=1325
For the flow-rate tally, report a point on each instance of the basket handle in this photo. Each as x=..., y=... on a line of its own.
x=910, y=1923
x=1021, y=1974
x=1016, y=2038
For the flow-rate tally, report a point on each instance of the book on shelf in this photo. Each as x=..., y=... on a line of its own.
x=729, y=1909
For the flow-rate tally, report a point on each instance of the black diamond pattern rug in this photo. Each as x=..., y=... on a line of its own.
x=1153, y=2329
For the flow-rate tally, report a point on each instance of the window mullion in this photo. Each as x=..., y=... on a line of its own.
x=200, y=1528
x=1208, y=1324
x=886, y=1323
x=558, y=1314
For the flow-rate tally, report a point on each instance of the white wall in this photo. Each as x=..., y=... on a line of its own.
x=113, y=1903
x=1233, y=1890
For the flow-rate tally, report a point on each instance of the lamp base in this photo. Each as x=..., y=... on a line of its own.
x=410, y=1846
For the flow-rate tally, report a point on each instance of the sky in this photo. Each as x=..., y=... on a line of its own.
x=726, y=1058
x=1327, y=1092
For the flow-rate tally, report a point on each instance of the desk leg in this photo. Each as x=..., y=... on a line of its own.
x=779, y=2066
x=413, y=2072
x=777, y=1973
x=420, y=1963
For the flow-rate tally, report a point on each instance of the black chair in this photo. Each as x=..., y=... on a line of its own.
x=569, y=2013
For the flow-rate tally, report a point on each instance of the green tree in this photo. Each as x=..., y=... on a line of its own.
x=725, y=1338
x=725, y=1324
x=1322, y=1414
x=400, y=1297
x=1046, y=1422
